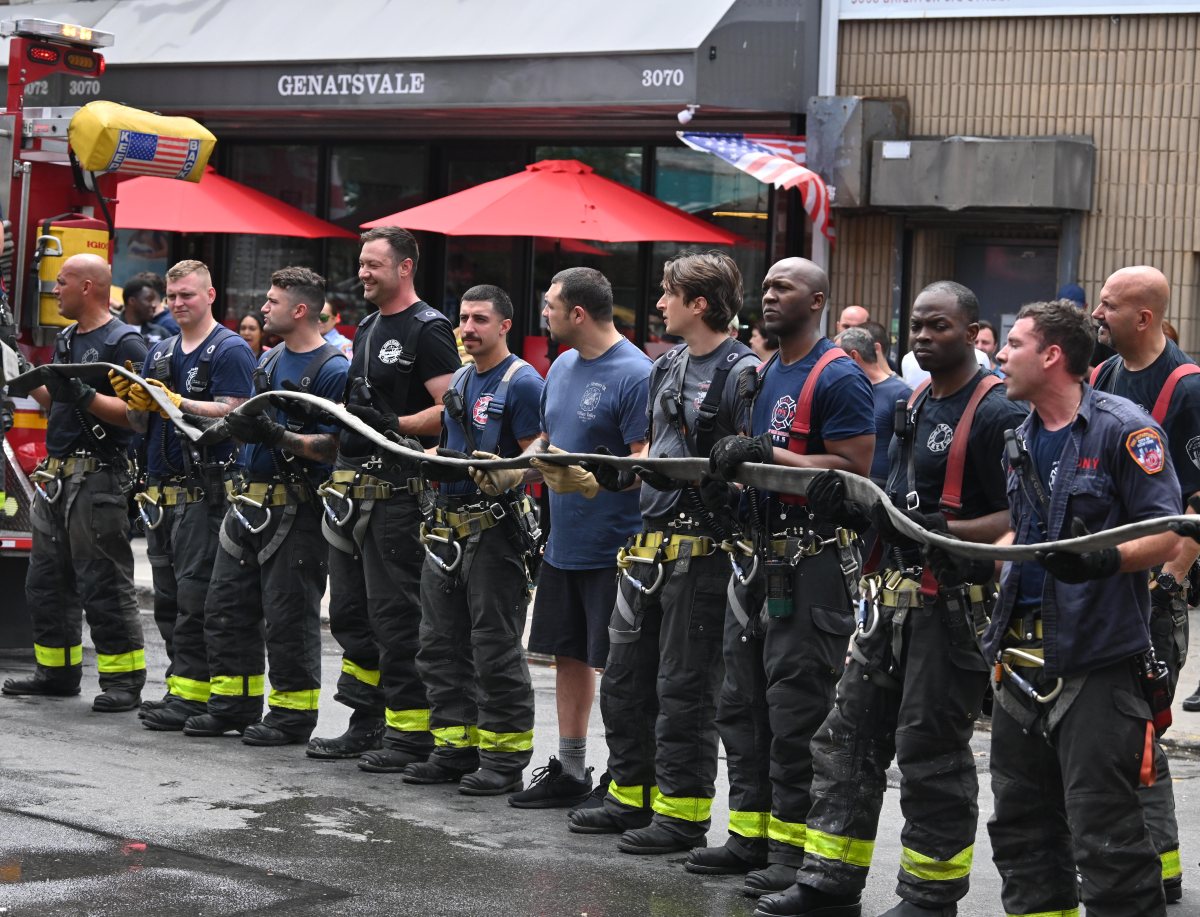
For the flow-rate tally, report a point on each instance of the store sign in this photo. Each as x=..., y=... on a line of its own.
x=948, y=9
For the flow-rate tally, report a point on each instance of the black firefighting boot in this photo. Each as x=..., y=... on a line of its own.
x=39, y=684
x=721, y=861
x=264, y=735
x=804, y=901
x=485, y=782
x=910, y=909
x=776, y=877
x=172, y=717
x=209, y=725
x=364, y=734
x=606, y=821
x=657, y=838
x=117, y=700
x=429, y=772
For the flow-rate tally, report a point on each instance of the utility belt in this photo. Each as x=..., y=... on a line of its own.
x=346, y=485
x=263, y=496
x=163, y=492
x=452, y=520
x=654, y=549
x=47, y=478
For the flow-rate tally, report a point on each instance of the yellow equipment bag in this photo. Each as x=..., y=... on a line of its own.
x=108, y=137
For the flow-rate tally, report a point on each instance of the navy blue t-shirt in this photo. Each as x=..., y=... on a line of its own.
x=63, y=431
x=887, y=393
x=1045, y=447
x=521, y=419
x=231, y=368
x=585, y=404
x=260, y=460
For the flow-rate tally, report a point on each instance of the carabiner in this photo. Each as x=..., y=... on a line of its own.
x=37, y=485
x=327, y=492
x=141, y=508
x=447, y=568
x=744, y=579
x=1022, y=683
x=642, y=587
x=868, y=602
x=252, y=529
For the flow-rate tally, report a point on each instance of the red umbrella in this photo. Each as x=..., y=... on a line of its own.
x=558, y=199
x=214, y=204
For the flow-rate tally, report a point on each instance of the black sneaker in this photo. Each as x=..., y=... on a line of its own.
x=1191, y=703
x=551, y=788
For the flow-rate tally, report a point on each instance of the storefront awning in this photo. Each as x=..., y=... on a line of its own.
x=317, y=56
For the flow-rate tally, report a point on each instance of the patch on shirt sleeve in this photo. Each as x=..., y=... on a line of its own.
x=1146, y=448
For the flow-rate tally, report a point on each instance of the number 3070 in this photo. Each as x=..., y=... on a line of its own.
x=662, y=77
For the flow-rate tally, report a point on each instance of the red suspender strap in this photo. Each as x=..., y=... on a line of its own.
x=916, y=394
x=802, y=422
x=951, y=502
x=1163, y=402
x=1095, y=374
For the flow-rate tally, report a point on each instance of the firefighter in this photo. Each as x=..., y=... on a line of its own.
x=1072, y=729
x=812, y=408
x=658, y=694
x=81, y=561
x=205, y=370
x=404, y=356
x=915, y=682
x=269, y=575
x=1152, y=372
x=475, y=585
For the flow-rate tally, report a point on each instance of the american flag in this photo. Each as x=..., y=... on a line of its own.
x=777, y=161
x=150, y=154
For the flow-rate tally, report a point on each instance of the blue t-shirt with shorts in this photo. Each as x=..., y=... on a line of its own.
x=585, y=404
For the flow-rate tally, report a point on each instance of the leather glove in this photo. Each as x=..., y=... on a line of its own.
x=731, y=451
x=384, y=422
x=720, y=499
x=132, y=393
x=494, y=483
x=932, y=522
x=69, y=390
x=215, y=429
x=255, y=428
x=657, y=480
x=434, y=471
x=827, y=501
x=954, y=570
x=1079, y=568
x=607, y=476
x=301, y=410
x=174, y=398
x=567, y=479
x=121, y=385
x=1189, y=528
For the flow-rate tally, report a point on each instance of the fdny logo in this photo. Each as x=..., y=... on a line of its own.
x=479, y=411
x=940, y=439
x=191, y=377
x=591, y=400
x=1146, y=448
x=1193, y=450
x=782, y=416
x=91, y=355
x=389, y=353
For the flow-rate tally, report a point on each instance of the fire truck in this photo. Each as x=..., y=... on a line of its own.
x=61, y=153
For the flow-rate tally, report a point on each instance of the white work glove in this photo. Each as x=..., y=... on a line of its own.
x=494, y=483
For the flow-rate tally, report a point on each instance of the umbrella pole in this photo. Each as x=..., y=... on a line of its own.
x=551, y=350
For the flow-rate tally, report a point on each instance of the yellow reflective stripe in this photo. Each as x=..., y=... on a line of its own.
x=133, y=661
x=786, y=832
x=748, y=824
x=408, y=720
x=632, y=796
x=1171, y=866
x=189, y=688
x=685, y=808
x=1072, y=912
x=294, y=700
x=57, y=657
x=366, y=676
x=849, y=850
x=456, y=736
x=505, y=741
x=238, y=685
x=934, y=870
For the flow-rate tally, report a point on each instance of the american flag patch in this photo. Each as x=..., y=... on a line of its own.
x=151, y=154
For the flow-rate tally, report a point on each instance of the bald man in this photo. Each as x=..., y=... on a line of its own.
x=852, y=317
x=81, y=561
x=1132, y=307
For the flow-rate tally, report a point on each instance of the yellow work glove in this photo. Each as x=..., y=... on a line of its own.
x=120, y=385
x=176, y=400
x=494, y=483
x=567, y=479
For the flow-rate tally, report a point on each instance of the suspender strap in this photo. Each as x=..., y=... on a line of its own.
x=802, y=422
x=1163, y=402
x=490, y=439
x=951, y=502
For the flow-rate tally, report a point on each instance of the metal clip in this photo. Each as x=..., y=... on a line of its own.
x=641, y=587
x=375, y=462
x=327, y=492
x=744, y=578
x=1023, y=684
x=252, y=529
x=912, y=501
x=141, y=500
x=868, y=603
x=447, y=568
x=48, y=478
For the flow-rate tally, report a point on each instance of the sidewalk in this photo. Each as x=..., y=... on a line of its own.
x=1183, y=735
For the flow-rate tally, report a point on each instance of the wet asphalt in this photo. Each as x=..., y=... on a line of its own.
x=99, y=816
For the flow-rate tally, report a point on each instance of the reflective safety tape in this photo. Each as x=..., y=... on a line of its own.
x=749, y=824
x=455, y=736
x=294, y=700
x=849, y=850
x=1072, y=912
x=133, y=661
x=366, y=676
x=1171, y=867
x=934, y=870
x=238, y=685
x=57, y=657
x=408, y=720
x=787, y=832
x=685, y=808
x=505, y=741
x=632, y=796
x=189, y=688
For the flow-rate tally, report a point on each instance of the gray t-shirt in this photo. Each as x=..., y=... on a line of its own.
x=697, y=375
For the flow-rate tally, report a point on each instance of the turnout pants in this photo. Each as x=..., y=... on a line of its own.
x=182, y=550
x=1065, y=800
x=912, y=690
x=790, y=674
x=375, y=615
x=82, y=564
x=268, y=583
x=658, y=693
x=471, y=658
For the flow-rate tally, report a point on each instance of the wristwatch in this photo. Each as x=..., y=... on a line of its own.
x=1167, y=582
